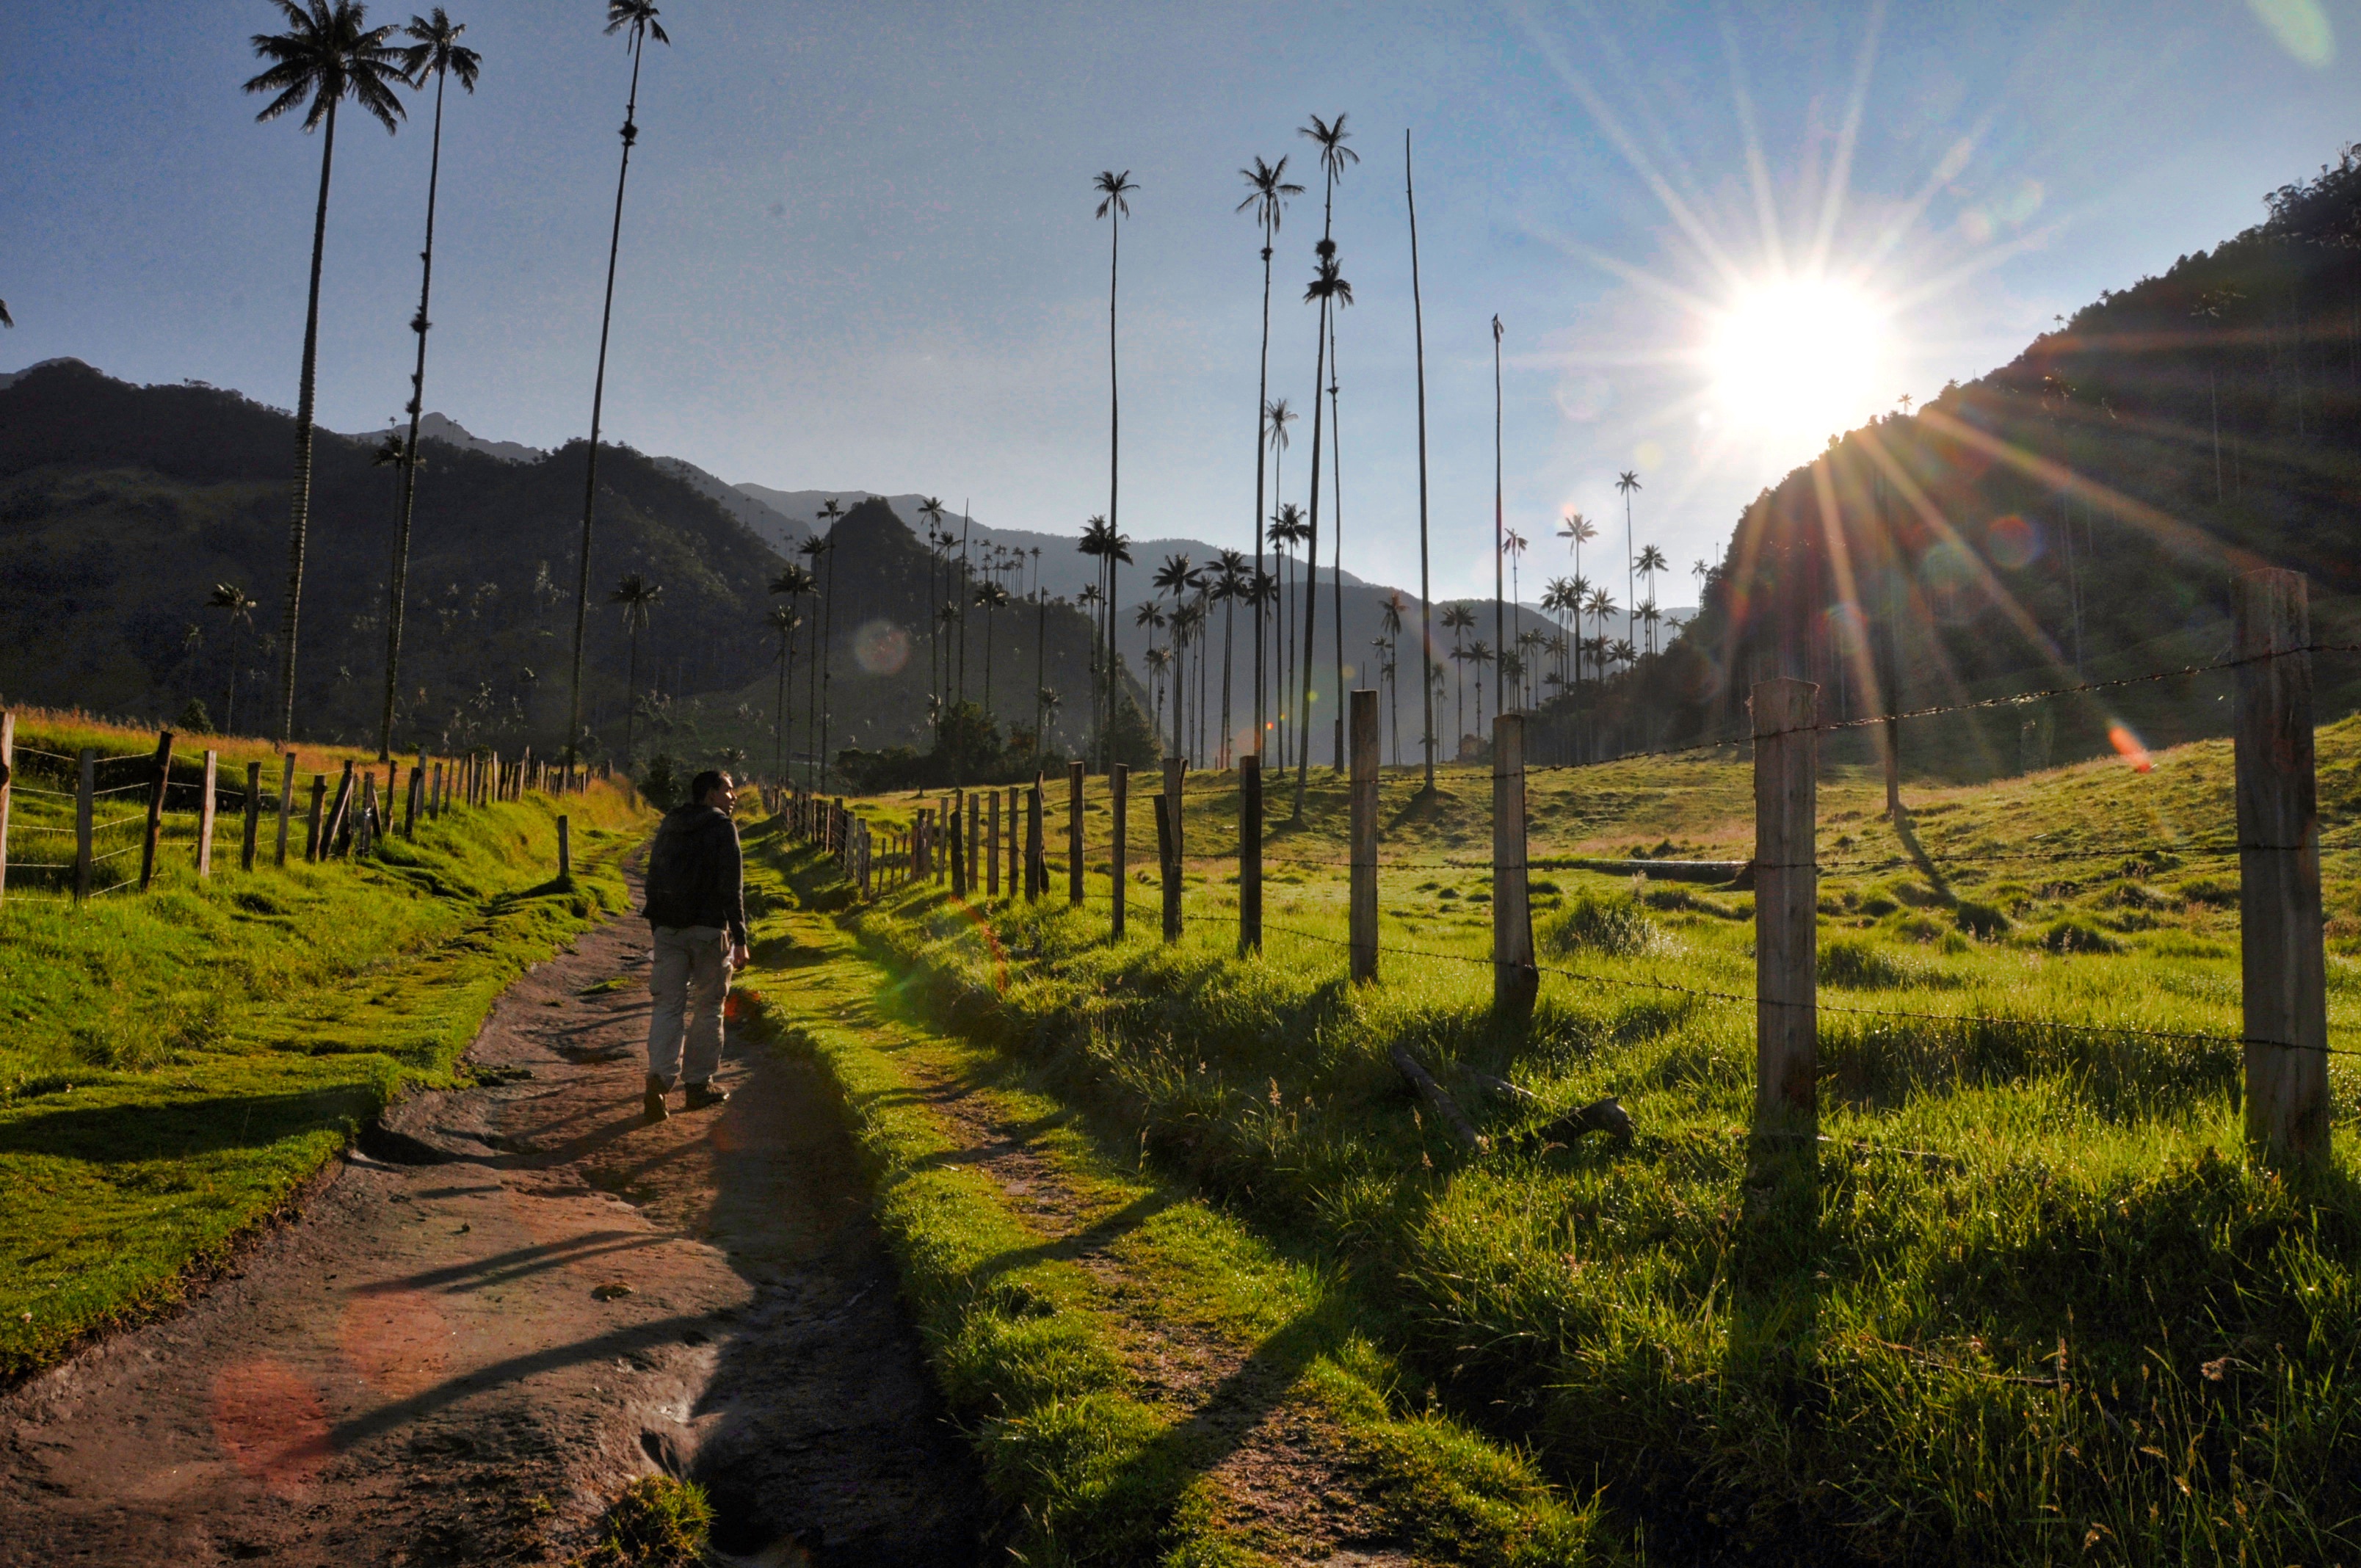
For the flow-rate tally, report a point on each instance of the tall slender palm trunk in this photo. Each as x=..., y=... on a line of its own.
x=1311, y=576
x=1262, y=403
x=1336, y=534
x=1425, y=587
x=1114, y=453
x=630, y=135
x=300, y=520
x=827, y=652
x=399, y=586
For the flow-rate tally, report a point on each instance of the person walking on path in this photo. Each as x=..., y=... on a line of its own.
x=697, y=906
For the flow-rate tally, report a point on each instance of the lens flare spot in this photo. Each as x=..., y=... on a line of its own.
x=880, y=648
x=2012, y=543
x=2127, y=746
x=399, y=1340
x=271, y=1423
x=2301, y=26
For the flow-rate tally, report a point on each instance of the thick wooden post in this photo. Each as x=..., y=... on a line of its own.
x=1016, y=842
x=1250, y=853
x=252, y=816
x=1037, y=867
x=365, y=818
x=207, y=813
x=7, y=772
x=1119, y=873
x=565, y=848
x=2283, y=968
x=410, y=802
x=1170, y=842
x=961, y=858
x=312, y=849
x=974, y=838
x=1516, y=983
x=156, y=809
x=86, y=788
x=1786, y=914
x=285, y=808
x=991, y=843
x=1363, y=853
x=1075, y=833
x=333, y=832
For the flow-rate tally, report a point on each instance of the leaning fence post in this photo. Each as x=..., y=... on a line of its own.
x=1119, y=808
x=84, y=789
x=7, y=771
x=1075, y=833
x=206, y=811
x=2282, y=965
x=1786, y=914
x=1515, y=982
x=565, y=848
x=252, y=816
x=312, y=847
x=1170, y=844
x=339, y=810
x=1250, y=853
x=156, y=809
x=1036, y=868
x=410, y=801
x=286, y=807
x=1363, y=813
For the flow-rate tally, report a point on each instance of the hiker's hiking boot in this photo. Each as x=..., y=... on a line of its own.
x=701, y=1095
x=653, y=1104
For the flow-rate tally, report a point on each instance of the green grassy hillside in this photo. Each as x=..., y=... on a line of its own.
x=174, y=1065
x=2042, y=1309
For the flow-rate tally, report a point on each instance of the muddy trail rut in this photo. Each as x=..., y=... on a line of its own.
x=500, y=1308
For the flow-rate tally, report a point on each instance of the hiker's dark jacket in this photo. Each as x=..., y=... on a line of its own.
x=693, y=872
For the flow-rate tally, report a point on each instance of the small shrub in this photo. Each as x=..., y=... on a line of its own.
x=1879, y=905
x=656, y=1523
x=1852, y=963
x=2219, y=892
x=658, y=782
x=1617, y=927
x=1980, y=921
x=2071, y=935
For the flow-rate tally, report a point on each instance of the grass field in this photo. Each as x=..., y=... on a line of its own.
x=175, y=1064
x=2041, y=1309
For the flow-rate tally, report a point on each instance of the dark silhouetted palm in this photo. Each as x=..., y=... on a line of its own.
x=229, y=597
x=990, y=598
x=1268, y=188
x=796, y=582
x=636, y=18
x=638, y=596
x=328, y=53
x=1115, y=190
x=434, y=51
x=1627, y=481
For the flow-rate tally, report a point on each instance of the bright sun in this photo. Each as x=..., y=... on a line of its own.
x=1799, y=360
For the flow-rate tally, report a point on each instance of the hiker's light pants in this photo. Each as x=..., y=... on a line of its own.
x=690, y=978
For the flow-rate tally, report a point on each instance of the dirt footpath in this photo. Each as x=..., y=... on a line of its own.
x=502, y=1308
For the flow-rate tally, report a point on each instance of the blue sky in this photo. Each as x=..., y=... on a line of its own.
x=860, y=249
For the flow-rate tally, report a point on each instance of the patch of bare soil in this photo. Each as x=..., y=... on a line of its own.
x=503, y=1306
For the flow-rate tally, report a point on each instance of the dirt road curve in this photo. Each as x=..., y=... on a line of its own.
x=439, y=1362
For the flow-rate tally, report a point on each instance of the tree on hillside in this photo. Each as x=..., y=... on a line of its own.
x=1627, y=481
x=638, y=596
x=1268, y=188
x=931, y=509
x=1650, y=562
x=328, y=53
x=230, y=598
x=1457, y=619
x=638, y=19
x=1480, y=653
x=1150, y=617
x=1390, y=615
x=812, y=549
x=831, y=512
x=434, y=51
x=1232, y=582
x=795, y=582
x=1330, y=137
x=1115, y=190
x=1288, y=530
x=991, y=599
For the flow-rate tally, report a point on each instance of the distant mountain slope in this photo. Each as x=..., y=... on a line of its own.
x=451, y=432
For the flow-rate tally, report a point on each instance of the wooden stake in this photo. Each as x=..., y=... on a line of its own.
x=156, y=809
x=1074, y=834
x=365, y=818
x=974, y=838
x=252, y=816
x=83, y=792
x=960, y=862
x=285, y=808
x=1786, y=915
x=410, y=803
x=206, y=812
x=991, y=843
x=1516, y=983
x=1364, y=811
x=1169, y=843
x=1016, y=842
x=7, y=772
x=565, y=849
x=333, y=832
x=1250, y=853
x=2283, y=966
x=1119, y=807
x=312, y=847
x=1037, y=869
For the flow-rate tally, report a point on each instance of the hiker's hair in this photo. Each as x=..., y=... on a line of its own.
x=705, y=784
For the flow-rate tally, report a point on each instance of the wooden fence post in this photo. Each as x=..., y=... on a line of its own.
x=252, y=816
x=156, y=809
x=84, y=790
x=1169, y=843
x=1015, y=843
x=1363, y=813
x=365, y=818
x=1250, y=853
x=206, y=812
x=7, y=772
x=565, y=848
x=1516, y=983
x=1119, y=807
x=2282, y=965
x=410, y=802
x=312, y=849
x=974, y=838
x=991, y=843
x=286, y=807
x=961, y=856
x=1037, y=866
x=1074, y=834
x=333, y=831
x=1786, y=914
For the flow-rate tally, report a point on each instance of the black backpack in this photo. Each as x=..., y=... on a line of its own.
x=675, y=869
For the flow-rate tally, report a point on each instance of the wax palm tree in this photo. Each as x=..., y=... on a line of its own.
x=1649, y=616
x=327, y=54
x=1622, y=651
x=1652, y=561
x=1232, y=580
x=1480, y=653
x=795, y=582
x=1390, y=614
x=931, y=509
x=831, y=511
x=434, y=51
x=813, y=548
x=230, y=598
x=1115, y=190
x=1602, y=604
x=1159, y=661
x=1268, y=188
x=638, y=596
x=1287, y=530
x=1328, y=289
x=991, y=599
x=1512, y=545
x=637, y=20
x=1457, y=619
x=1628, y=482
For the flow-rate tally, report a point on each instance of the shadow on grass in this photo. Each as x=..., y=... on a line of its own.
x=58, y=1128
